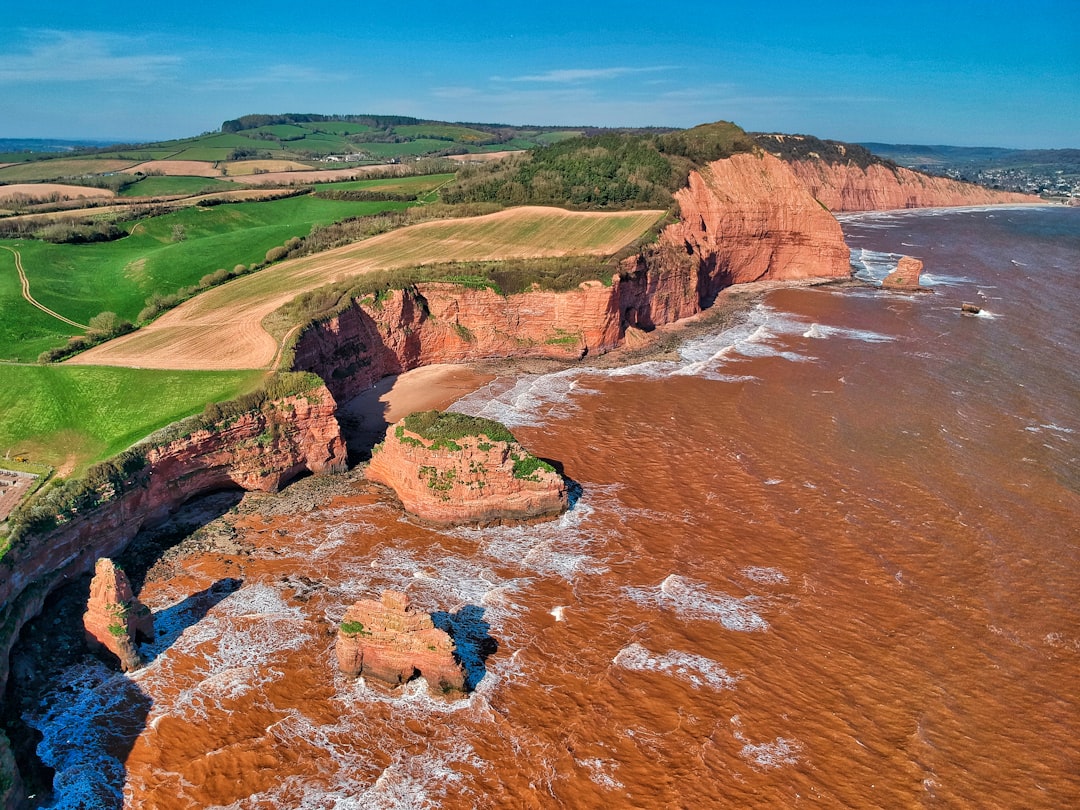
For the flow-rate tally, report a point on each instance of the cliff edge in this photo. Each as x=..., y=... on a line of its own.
x=450, y=468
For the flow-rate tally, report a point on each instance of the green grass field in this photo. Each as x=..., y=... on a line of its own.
x=60, y=168
x=71, y=415
x=79, y=281
x=462, y=134
x=161, y=186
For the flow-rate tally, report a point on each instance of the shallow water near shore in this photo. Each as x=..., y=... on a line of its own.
x=827, y=555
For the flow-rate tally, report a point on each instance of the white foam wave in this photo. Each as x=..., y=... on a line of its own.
x=872, y=265
x=935, y=280
x=769, y=755
x=696, y=669
x=559, y=612
x=764, y=575
x=819, y=331
x=600, y=771
x=693, y=600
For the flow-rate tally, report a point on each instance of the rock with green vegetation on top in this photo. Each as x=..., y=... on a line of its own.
x=449, y=468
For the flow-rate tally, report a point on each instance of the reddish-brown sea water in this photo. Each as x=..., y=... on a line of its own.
x=827, y=558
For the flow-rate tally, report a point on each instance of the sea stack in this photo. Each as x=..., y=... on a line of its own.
x=450, y=468
x=114, y=618
x=391, y=641
x=905, y=276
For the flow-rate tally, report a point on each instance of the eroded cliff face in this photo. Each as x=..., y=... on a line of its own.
x=474, y=479
x=847, y=187
x=260, y=450
x=749, y=218
x=393, y=642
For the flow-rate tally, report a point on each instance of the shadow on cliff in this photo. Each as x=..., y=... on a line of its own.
x=470, y=633
x=170, y=623
x=574, y=490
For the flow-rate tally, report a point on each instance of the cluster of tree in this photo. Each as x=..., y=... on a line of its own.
x=77, y=233
x=258, y=120
x=609, y=170
x=103, y=326
x=807, y=147
x=250, y=153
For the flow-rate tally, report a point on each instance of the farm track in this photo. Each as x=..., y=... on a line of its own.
x=25, y=282
x=221, y=329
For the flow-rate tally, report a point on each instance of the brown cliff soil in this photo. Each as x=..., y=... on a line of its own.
x=393, y=642
x=115, y=619
x=485, y=477
x=905, y=276
x=846, y=187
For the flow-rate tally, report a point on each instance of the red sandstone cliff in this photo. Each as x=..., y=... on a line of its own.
x=115, y=619
x=846, y=187
x=393, y=642
x=751, y=218
x=743, y=218
x=260, y=450
x=473, y=479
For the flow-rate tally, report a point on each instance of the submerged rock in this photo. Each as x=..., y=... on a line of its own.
x=114, y=618
x=392, y=642
x=450, y=468
x=905, y=276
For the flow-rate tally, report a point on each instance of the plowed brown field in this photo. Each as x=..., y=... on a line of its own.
x=222, y=328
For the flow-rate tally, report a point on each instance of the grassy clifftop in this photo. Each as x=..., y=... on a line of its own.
x=614, y=170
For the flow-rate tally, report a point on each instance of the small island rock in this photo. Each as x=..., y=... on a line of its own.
x=393, y=642
x=905, y=276
x=114, y=618
x=450, y=468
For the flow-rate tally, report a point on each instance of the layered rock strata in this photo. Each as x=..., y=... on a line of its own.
x=393, y=642
x=744, y=218
x=115, y=619
x=482, y=478
x=750, y=218
x=905, y=276
x=847, y=187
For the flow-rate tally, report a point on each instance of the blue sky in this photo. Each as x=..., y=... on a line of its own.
x=963, y=73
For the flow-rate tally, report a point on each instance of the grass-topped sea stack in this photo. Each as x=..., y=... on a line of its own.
x=451, y=468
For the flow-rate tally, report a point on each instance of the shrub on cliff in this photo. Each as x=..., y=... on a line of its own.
x=447, y=426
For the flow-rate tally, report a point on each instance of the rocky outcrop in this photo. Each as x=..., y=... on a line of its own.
x=749, y=218
x=115, y=619
x=905, y=276
x=258, y=450
x=848, y=187
x=470, y=472
x=393, y=642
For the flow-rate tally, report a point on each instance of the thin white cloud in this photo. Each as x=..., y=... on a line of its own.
x=578, y=75
x=85, y=56
x=284, y=74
